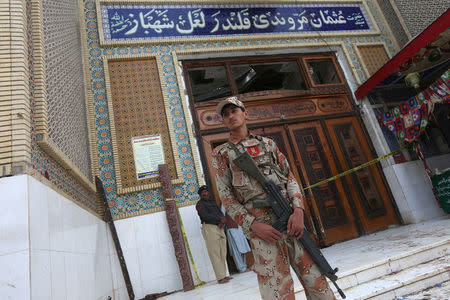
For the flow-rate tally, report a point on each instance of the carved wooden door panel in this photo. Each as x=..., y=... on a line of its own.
x=329, y=202
x=372, y=202
x=209, y=143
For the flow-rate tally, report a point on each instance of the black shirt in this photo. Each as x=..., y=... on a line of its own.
x=209, y=212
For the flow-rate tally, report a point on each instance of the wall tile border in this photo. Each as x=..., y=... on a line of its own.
x=15, y=110
x=400, y=19
x=188, y=118
x=360, y=58
x=41, y=116
x=120, y=189
x=385, y=27
x=104, y=43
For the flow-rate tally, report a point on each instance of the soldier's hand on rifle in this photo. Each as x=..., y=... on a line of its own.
x=265, y=232
x=295, y=223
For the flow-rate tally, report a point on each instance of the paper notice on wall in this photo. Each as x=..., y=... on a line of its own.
x=148, y=154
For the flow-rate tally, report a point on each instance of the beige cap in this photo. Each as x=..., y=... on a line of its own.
x=230, y=100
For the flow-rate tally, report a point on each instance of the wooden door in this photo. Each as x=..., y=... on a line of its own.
x=373, y=203
x=329, y=202
x=314, y=150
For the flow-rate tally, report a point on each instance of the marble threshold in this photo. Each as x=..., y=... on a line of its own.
x=381, y=265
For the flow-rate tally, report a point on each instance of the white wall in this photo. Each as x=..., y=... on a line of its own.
x=14, y=242
x=50, y=248
x=412, y=191
x=69, y=256
x=150, y=256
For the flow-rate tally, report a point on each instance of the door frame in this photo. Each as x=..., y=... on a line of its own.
x=337, y=90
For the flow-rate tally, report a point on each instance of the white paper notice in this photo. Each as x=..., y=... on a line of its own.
x=148, y=154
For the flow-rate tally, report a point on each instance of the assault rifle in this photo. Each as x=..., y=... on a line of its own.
x=283, y=210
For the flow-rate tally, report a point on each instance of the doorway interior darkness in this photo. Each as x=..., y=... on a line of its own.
x=302, y=102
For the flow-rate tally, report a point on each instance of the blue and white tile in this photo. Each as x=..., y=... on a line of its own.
x=56, y=222
x=41, y=278
x=162, y=227
x=39, y=215
x=116, y=272
x=102, y=275
x=126, y=233
x=121, y=294
x=170, y=261
x=14, y=214
x=58, y=275
x=15, y=275
x=74, y=276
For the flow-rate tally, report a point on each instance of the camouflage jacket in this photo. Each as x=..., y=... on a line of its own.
x=237, y=189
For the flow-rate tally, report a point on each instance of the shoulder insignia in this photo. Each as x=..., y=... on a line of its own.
x=265, y=139
x=258, y=137
x=270, y=142
x=253, y=150
x=219, y=149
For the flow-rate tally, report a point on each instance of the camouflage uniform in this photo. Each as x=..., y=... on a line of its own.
x=237, y=190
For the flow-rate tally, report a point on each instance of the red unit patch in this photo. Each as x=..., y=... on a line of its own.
x=253, y=150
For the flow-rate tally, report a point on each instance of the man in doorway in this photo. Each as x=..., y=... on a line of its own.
x=246, y=202
x=213, y=233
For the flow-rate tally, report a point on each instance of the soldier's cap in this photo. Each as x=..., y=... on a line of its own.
x=227, y=101
x=202, y=188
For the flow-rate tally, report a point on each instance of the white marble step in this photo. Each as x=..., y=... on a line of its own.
x=387, y=252
x=371, y=274
x=404, y=282
x=392, y=264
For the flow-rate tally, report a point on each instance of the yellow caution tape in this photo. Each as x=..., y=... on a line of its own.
x=358, y=167
x=183, y=231
x=306, y=188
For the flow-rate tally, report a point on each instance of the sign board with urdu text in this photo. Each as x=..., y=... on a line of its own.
x=441, y=184
x=148, y=154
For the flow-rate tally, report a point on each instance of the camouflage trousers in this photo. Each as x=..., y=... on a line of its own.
x=272, y=263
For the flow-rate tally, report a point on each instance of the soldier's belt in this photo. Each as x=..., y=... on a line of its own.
x=258, y=203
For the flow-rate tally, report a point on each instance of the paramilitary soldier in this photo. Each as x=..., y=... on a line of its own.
x=242, y=197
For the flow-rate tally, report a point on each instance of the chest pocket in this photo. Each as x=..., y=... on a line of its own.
x=239, y=178
x=264, y=161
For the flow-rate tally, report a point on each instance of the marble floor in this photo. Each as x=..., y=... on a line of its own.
x=348, y=256
x=438, y=292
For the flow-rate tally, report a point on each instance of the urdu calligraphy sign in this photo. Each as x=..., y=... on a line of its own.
x=134, y=22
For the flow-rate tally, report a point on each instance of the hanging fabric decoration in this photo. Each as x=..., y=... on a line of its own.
x=409, y=120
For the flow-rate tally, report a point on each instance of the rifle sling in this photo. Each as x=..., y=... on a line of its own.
x=271, y=164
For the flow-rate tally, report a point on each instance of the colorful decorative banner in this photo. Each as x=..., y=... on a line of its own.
x=409, y=120
x=123, y=22
x=434, y=53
